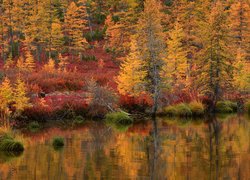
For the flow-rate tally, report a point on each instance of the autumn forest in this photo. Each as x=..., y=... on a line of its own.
x=122, y=63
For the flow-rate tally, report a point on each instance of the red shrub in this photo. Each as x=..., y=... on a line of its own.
x=136, y=103
x=57, y=81
x=56, y=107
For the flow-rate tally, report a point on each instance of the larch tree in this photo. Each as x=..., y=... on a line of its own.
x=20, y=63
x=132, y=74
x=57, y=37
x=50, y=66
x=151, y=48
x=214, y=72
x=177, y=55
x=3, y=34
x=20, y=97
x=241, y=74
x=6, y=96
x=62, y=63
x=120, y=26
x=239, y=21
x=9, y=62
x=29, y=61
x=9, y=13
x=74, y=29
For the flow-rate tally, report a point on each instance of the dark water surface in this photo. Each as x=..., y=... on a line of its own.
x=167, y=149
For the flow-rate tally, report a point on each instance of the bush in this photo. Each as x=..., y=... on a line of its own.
x=140, y=103
x=119, y=118
x=8, y=143
x=34, y=126
x=89, y=58
x=78, y=120
x=58, y=142
x=197, y=108
x=11, y=145
x=183, y=110
x=226, y=107
x=170, y=110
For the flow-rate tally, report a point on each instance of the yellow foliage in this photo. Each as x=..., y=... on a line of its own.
x=20, y=98
x=241, y=76
x=50, y=66
x=62, y=63
x=6, y=97
x=9, y=62
x=29, y=61
x=131, y=75
x=176, y=55
x=20, y=63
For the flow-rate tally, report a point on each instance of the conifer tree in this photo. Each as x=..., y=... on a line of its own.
x=50, y=66
x=151, y=49
x=20, y=63
x=132, y=74
x=57, y=36
x=8, y=14
x=177, y=55
x=241, y=76
x=29, y=61
x=6, y=96
x=20, y=97
x=9, y=62
x=62, y=62
x=239, y=21
x=74, y=29
x=3, y=33
x=215, y=64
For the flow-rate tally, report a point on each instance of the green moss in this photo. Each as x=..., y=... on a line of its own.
x=34, y=126
x=119, y=118
x=197, y=108
x=183, y=110
x=58, y=142
x=170, y=110
x=226, y=107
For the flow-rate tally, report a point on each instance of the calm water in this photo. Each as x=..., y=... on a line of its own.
x=168, y=149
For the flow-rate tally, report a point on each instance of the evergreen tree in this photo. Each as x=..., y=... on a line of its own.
x=215, y=64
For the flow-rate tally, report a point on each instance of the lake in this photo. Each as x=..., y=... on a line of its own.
x=215, y=148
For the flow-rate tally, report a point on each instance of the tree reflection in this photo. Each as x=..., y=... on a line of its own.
x=154, y=149
x=217, y=149
x=214, y=140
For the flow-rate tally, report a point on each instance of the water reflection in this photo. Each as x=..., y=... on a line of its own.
x=217, y=148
